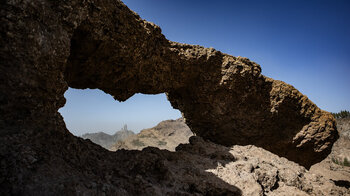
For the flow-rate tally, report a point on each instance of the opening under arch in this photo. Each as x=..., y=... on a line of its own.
x=95, y=115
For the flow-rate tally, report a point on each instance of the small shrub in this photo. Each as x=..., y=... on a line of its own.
x=346, y=162
x=144, y=136
x=137, y=142
x=342, y=163
x=161, y=143
x=335, y=161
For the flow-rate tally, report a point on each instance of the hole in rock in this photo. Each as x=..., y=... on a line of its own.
x=141, y=121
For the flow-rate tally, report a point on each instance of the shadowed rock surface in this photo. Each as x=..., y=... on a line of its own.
x=270, y=167
x=47, y=46
x=105, y=140
x=50, y=45
x=167, y=135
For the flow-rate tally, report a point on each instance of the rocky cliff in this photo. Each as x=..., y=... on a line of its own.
x=105, y=140
x=47, y=46
x=336, y=166
x=166, y=135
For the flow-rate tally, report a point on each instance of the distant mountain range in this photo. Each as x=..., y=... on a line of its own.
x=167, y=134
x=105, y=140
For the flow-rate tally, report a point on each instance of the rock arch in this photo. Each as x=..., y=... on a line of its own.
x=104, y=45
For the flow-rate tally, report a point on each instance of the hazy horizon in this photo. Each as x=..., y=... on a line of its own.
x=92, y=110
x=303, y=43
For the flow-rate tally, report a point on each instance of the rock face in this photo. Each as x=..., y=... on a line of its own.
x=341, y=148
x=105, y=140
x=167, y=135
x=336, y=166
x=47, y=46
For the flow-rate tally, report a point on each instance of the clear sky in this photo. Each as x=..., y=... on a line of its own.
x=305, y=43
x=88, y=111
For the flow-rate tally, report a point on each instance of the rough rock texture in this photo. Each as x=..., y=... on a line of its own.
x=334, y=166
x=198, y=168
x=47, y=46
x=256, y=171
x=176, y=132
x=341, y=149
x=105, y=140
x=167, y=135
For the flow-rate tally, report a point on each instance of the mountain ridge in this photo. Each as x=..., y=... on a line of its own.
x=106, y=140
x=167, y=134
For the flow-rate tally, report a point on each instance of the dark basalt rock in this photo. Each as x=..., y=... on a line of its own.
x=47, y=46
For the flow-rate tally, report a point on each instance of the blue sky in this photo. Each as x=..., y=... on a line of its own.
x=302, y=42
x=90, y=110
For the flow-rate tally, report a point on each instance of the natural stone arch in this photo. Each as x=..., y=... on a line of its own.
x=104, y=45
x=223, y=98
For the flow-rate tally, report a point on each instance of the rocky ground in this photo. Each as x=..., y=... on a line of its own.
x=256, y=171
x=334, y=167
x=253, y=170
x=197, y=168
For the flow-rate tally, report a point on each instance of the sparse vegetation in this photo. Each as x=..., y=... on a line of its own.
x=161, y=143
x=137, y=142
x=343, y=163
x=341, y=114
x=346, y=162
x=144, y=136
x=147, y=136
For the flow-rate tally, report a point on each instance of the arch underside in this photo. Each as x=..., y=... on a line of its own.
x=104, y=45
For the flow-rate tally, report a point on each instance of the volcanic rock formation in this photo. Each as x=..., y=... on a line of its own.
x=50, y=45
x=105, y=140
x=47, y=46
x=167, y=135
x=336, y=166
